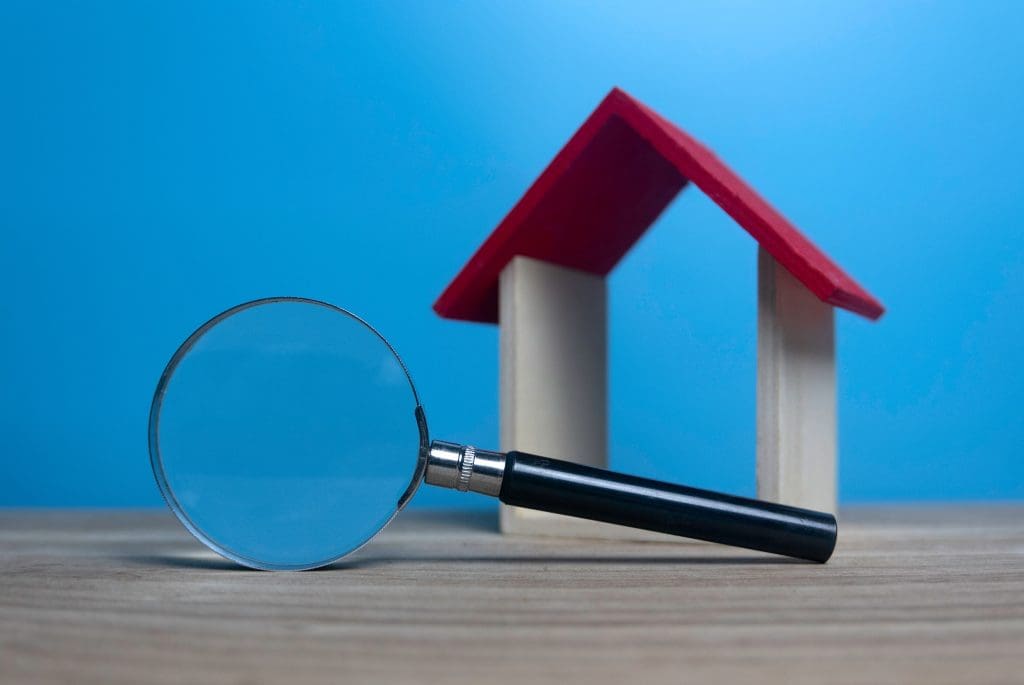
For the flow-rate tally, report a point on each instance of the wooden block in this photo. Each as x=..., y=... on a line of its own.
x=796, y=391
x=553, y=394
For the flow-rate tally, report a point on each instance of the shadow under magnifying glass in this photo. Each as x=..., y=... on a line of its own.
x=480, y=527
x=210, y=563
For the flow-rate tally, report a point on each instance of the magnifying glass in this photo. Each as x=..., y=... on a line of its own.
x=286, y=432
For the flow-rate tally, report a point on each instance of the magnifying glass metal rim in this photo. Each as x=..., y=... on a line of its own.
x=156, y=461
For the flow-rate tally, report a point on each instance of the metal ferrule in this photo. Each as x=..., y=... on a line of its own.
x=464, y=468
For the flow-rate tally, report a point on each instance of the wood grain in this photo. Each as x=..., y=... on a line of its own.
x=913, y=594
x=553, y=383
x=796, y=391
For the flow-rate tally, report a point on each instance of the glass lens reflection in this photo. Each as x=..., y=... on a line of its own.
x=286, y=434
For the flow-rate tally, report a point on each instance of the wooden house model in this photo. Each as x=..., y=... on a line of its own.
x=541, y=276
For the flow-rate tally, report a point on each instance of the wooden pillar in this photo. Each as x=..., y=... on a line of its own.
x=553, y=385
x=796, y=391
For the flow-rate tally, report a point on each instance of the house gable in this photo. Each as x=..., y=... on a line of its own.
x=606, y=187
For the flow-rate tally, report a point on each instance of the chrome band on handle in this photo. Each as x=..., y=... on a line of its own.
x=464, y=468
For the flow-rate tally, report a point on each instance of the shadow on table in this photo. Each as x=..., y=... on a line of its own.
x=447, y=524
x=211, y=563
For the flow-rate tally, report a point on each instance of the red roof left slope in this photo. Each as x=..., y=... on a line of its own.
x=606, y=187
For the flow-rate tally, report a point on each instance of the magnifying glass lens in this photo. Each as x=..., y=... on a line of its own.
x=283, y=433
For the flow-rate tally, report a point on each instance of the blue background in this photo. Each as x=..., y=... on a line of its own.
x=162, y=161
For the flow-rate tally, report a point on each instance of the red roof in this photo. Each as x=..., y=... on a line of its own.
x=606, y=187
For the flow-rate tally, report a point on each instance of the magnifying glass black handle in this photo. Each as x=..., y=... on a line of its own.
x=563, y=487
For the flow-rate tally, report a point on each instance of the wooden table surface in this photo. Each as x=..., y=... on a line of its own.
x=913, y=594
